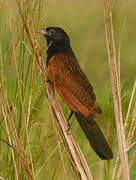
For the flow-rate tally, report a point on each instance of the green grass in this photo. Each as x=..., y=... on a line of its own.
x=84, y=22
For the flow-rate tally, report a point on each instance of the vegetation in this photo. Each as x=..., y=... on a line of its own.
x=32, y=146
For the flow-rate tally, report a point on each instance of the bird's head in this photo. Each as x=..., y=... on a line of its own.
x=54, y=35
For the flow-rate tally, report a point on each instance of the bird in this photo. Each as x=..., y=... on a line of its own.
x=71, y=83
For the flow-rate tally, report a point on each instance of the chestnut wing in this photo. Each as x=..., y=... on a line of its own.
x=72, y=84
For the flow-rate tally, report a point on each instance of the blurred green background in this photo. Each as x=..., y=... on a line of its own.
x=84, y=22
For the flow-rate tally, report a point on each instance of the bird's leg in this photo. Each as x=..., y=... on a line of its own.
x=69, y=117
x=52, y=86
x=48, y=81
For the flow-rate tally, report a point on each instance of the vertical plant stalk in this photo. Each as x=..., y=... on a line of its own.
x=116, y=89
x=17, y=72
x=132, y=127
x=130, y=104
x=77, y=157
x=131, y=130
x=5, y=107
x=58, y=138
x=9, y=139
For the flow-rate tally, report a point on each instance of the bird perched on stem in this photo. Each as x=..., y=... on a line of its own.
x=71, y=83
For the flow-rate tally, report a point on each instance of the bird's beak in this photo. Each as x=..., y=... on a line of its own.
x=43, y=31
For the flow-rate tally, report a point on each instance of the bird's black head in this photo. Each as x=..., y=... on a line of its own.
x=55, y=35
x=57, y=41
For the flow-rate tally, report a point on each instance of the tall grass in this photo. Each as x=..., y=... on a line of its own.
x=115, y=79
x=35, y=143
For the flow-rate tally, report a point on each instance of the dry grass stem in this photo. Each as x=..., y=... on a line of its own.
x=20, y=94
x=116, y=89
x=132, y=127
x=9, y=139
x=130, y=105
x=55, y=126
x=9, y=118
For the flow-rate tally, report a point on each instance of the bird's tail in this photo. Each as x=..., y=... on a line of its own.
x=95, y=136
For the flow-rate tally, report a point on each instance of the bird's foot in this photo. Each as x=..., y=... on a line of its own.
x=70, y=115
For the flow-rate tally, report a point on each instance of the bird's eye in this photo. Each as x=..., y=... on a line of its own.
x=52, y=32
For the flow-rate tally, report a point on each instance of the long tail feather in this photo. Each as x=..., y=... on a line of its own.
x=95, y=136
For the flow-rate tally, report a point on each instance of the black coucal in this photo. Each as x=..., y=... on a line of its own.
x=71, y=83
